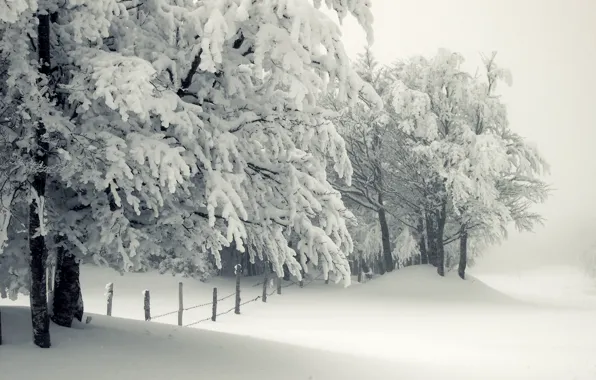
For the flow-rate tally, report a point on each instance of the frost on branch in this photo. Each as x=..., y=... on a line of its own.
x=406, y=247
x=191, y=122
x=11, y=10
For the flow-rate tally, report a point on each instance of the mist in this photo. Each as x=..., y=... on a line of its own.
x=550, y=48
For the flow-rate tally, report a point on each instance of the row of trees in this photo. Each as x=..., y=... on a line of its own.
x=157, y=134
x=152, y=133
x=439, y=165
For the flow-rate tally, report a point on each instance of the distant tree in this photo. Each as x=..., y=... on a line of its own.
x=371, y=144
x=440, y=156
x=460, y=131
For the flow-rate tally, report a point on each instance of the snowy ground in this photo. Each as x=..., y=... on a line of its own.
x=408, y=325
x=119, y=349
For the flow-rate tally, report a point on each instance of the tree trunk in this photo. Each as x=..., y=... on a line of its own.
x=441, y=219
x=422, y=242
x=463, y=253
x=265, y=281
x=37, y=245
x=381, y=265
x=287, y=274
x=68, y=299
x=238, y=273
x=431, y=237
x=385, y=239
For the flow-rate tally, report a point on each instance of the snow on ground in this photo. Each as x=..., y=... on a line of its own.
x=552, y=285
x=118, y=349
x=411, y=324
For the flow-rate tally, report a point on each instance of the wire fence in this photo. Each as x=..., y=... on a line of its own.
x=214, y=303
x=292, y=283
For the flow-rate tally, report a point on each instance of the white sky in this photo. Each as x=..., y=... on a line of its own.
x=550, y=47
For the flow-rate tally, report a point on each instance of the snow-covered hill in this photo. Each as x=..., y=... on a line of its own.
x=552, y=285
x=410, y=324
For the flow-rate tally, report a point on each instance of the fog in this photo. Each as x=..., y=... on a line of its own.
x=550, y=47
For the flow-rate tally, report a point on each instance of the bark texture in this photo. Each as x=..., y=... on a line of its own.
x=431, y=237
x=422, y=242
x=40, y=318
x=68, y=299
x=388, y=264
x=441, y=220
x=463, y=253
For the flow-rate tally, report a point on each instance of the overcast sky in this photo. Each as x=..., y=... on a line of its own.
x=550, y=47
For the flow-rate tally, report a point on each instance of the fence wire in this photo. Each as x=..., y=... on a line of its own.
x=226, y=297
x=198, y=306
x=292, y=283
x=164, y=315
x=224, y=312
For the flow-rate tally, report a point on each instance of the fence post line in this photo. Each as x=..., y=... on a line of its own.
x=214, y=309
x=147, y=305
x=238, y=274
x=265, y=280
x=180, y=303
x=278, y=285
x=109, y=297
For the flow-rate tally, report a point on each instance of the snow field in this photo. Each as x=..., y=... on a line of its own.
x=411, y=324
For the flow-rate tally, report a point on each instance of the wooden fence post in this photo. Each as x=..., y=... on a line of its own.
x=180, y=304
x=238, y=270
x=214, y=309
x=147, y=305
x=278, y=285
x=109, y=297
x=265, y=280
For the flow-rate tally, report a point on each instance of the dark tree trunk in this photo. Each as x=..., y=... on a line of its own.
x=385, y=240
x=463, y=253
x=287, y=274
x=380, y=263
x=238, y=272
x=37, y=245
x=431, y=237
x=247, y=264
x=265, y=282
x=68, y=299
x=441, y=219
x=422, y=243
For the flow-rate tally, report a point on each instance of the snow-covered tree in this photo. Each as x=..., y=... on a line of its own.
x=516, y=186
x=441, y=155
x=461, y=128
x=168, y=129
x=370, y=146
x=406, y=248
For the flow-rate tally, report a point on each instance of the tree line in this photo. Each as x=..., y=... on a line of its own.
x=144, y=135
x=440, y=165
